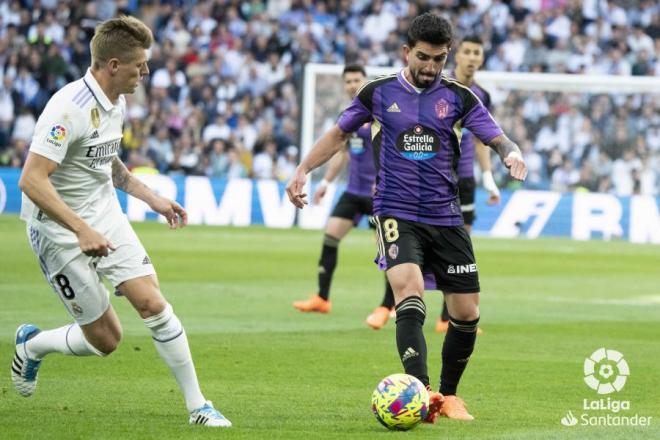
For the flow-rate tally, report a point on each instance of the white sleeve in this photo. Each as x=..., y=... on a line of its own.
x=58, y=127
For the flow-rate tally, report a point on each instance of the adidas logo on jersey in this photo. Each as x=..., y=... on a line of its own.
x=409, y=353
x=394, y=108
x=146, y=260
x=94, y=135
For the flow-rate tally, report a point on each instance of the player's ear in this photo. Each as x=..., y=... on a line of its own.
x=406, y=53
x=113, y=65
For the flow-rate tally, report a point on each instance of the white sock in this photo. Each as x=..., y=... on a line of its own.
x=68, y=340
x=172, y=345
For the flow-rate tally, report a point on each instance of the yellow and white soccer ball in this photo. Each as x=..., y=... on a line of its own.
x=400, y=402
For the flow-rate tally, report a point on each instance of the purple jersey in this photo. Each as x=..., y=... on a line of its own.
x=362, y=171
x=465, y=163
x=417, y=144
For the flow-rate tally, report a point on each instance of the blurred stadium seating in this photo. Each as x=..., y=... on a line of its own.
x=223, y=98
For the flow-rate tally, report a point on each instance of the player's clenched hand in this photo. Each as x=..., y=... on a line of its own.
x=93, y=243
x=174, y=213
x=320, y=193
x=295, y=187
x=516, y=165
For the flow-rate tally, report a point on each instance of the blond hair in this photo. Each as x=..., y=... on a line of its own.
x=118, y=38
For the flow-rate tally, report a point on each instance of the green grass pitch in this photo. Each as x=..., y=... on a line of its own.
x=277, y=373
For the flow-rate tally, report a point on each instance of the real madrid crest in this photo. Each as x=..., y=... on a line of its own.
x=77, y=310
x=96, y=117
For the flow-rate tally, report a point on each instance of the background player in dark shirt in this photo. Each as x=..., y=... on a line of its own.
x=353, y=204
x=469, y=57
x=418, y=115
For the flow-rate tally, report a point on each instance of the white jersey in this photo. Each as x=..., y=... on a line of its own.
x=81, y=130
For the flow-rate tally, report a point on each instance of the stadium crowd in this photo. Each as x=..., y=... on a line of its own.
x=223, y=97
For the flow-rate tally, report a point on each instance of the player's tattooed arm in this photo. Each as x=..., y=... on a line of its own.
x=503, y=146
x=123, y=179
x=511, y=156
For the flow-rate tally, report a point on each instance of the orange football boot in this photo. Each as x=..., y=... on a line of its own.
x=441, y=326
x=454, y=408
x=314, y=304
x=378, y=317
x=436, y=402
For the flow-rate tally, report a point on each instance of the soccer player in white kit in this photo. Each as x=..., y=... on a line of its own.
x=78, y=231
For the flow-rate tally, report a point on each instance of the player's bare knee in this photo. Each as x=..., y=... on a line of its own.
x=406, y=288
x=103, y=335
x=117, y=334
x=107, y=346
x=466, y=313
x=151, y=306
x=103, y=344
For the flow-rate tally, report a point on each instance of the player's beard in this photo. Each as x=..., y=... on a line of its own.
x=423, y=81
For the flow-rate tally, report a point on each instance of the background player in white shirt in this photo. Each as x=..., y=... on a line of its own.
x=78, y=231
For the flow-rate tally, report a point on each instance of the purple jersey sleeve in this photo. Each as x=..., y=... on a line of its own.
x=479, y=121
x=485, y=98
x=354, y=116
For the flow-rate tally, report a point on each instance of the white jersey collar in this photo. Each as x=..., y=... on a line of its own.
x=97, y=91
x=406, y=83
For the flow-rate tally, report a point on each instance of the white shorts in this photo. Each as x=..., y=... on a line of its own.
x=77, y=278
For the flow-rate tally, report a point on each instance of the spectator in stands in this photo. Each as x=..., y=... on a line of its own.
x=24, y=125
x=263, y=166
x=565, y=177
x=159, y=148
x=218, y=160
x=624, y=170
x=235, y=168
x=6, y=111
x=287, y=163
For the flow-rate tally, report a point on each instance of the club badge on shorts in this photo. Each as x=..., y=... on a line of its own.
x=393, y=251
x=77, y=310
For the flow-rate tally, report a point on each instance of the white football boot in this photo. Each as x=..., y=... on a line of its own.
x=23, y=368
x=207, y=415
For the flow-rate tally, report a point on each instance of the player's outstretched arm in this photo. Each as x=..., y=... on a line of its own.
x=322, y=151
x=510, y=155
x=483, y=157
x=335, y=165
x=34, y=182
x=123, y=179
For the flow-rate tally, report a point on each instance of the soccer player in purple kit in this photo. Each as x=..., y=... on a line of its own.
x=418, y=115
x=353, y=204
x=469, y=58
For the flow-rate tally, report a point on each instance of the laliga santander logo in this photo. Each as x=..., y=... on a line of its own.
x=606, y=371
x=58, y=132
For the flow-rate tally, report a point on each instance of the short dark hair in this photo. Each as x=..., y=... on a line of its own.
x=472, y=39
x=357, y=68
x=429, y=28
